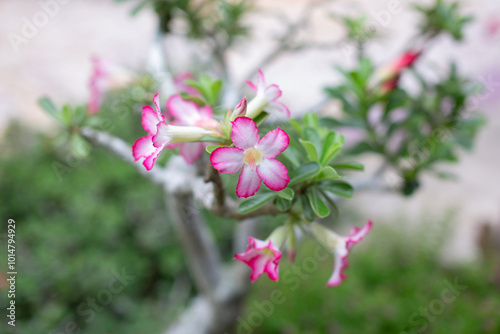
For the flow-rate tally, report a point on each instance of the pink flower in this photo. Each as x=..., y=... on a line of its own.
x=106, y=75
x=266, y=98
x=262, y=257
x=189, y=114
x=182, y=86
x=143, y=147
x=162, y=134
x=390, y=75
x=254, y=156
x=340, y=246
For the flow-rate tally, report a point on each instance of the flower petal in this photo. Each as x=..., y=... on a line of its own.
x=227, y=159
x=357, y=234
x=162, y=136
x=151, y=159
x=272, y=93
x=150, y=119
x=273, y=143
x=279, y=107
x=248, y=182
x=252, y=85
x=185, y=111
x=261, y=82
x=274, y=174
x=191, y=152
x=156, y=100
x=245, y=133
x=339, y=266
x=143, y=147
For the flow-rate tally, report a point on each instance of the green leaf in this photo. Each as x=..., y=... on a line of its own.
x=46, y=104
x=80, y=146
x=339, y=188
x=211, y=148
x=317, y=204
x=286, y=193
x=283, y=204
x=328, y=173
x=66, y=114
x=255, y=202
x=311, y=120
x=350, y=166
x=296, y=126
x=307, y=209
x=261, y=118
x=292, y=155
x=331, y=147
x=304, y=172
x=312, y=154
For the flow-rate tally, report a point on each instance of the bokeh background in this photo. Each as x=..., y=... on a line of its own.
x=75, y=233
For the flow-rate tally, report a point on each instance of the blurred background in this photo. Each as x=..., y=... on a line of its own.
x=102, y=221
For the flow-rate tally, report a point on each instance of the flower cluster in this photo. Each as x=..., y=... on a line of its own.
x=263, y=256
x=240, y=148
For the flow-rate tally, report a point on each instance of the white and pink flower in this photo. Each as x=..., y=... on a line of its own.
x=340, y=246
x=255, y=157
x=161, y=134
x=262, y=257
x=187, y=113
x=106, y=75
x=267, y=98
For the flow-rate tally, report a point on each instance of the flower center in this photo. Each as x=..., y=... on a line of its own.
x=252, y=157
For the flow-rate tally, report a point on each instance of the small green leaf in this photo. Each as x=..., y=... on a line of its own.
x=286, y=193
x=331, y=147
x=46, y=104
x=296, y=126
x=317, y=204
x=307, y=209
x=66, y=114
x=350, y=166
x=283, y=204
x=80, y=146
x=312, y=154
x=328, y=173
x=304, y=172
x=311, y=120
x=255, y=202
x=339, y=188
x=211, y=148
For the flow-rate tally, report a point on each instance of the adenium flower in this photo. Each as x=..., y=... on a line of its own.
x=161, y=134
x=263, y=256
x=255, y=157
x=189, y=114
x=390, y=75
x=340, y=246
x=105, y=75
x=266, y=98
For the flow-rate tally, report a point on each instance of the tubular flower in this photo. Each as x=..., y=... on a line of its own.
x=263, y=256
x=390, y=75
x=105, y=75
x=266, y=98
x=143, y=147
x=187, y=113
x=340, y=246
x=254, y=156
